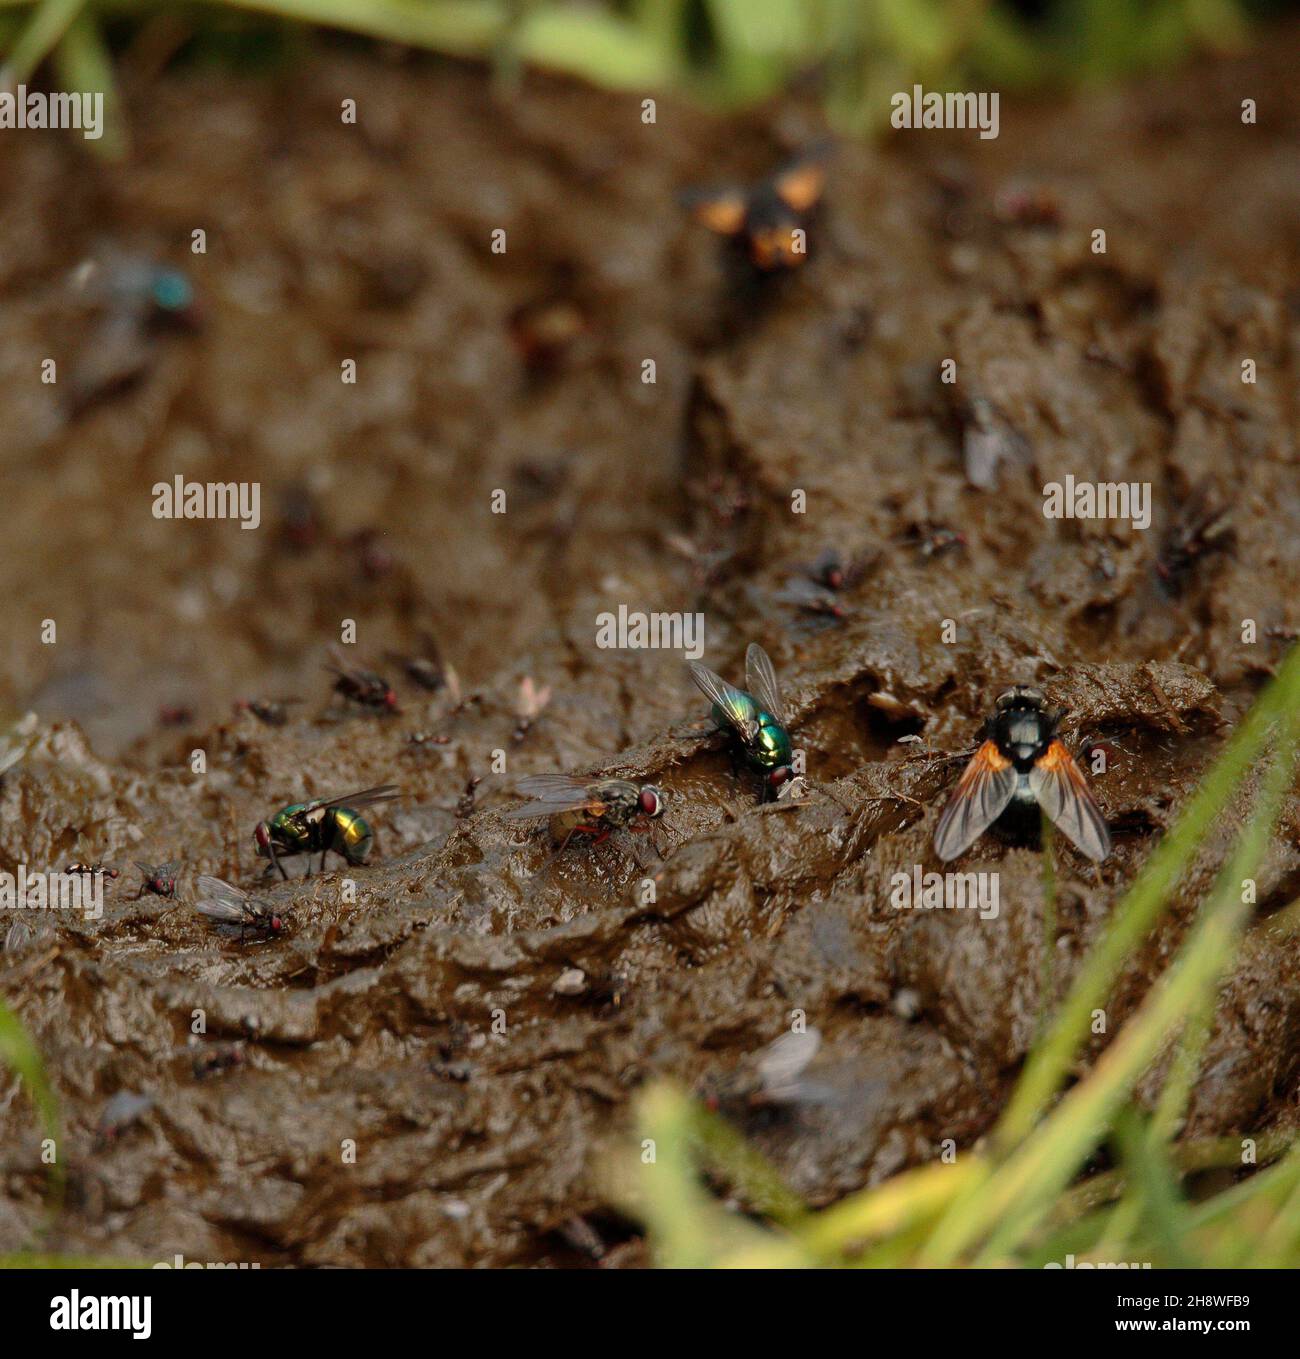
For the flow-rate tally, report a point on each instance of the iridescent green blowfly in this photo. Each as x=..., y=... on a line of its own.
x=318, y=827
x=755, y=718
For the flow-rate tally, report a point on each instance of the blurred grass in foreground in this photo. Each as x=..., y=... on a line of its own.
x=1018, y=1199
x=721, y=52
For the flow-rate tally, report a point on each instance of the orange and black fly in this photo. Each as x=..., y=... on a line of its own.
x=767, y=220
x=1021, y=772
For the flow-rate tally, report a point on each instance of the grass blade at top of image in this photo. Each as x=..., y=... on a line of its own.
x=47, y=24
x=466, y=28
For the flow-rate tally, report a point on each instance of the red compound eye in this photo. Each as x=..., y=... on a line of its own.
x=650, y=802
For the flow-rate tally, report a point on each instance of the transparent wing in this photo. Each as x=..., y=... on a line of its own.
x=987, y=784
x=800, y=590
x=761, y=678
x=384, y=793
x=220, y=910
x=737, y=707
x=785, y=1059
x=550, y=793
x=1062, y=793
x=220, y=900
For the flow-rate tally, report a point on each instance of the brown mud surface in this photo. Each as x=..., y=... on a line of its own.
x=372, y=1020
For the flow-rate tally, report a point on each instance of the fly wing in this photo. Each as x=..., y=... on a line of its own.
x=985, y=788
x=385, y=792
x=761, y=678
x=737, y=707
x=801, y=590
x=799, y=185
x=721, y=210
x=550, y=793
x=220, y=900
x=784, y=1060
x=1062, y=793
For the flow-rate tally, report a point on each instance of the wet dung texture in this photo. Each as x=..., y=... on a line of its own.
x=477, y=1019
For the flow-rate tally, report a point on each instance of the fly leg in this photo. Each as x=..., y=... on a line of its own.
x=275, y=858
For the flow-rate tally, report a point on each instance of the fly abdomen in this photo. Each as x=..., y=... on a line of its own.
x=1022, y=822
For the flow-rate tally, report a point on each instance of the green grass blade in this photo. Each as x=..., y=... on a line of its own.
x=46, y=27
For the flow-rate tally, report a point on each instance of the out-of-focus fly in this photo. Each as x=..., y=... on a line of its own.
x=768, y=219
x=363, y=687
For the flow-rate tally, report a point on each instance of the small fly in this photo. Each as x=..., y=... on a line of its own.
x=213, y=1059
x=933, y=540
x=1203, y=528
x=812, y=600
x=157, y=880
x=771, y=1079
x=988, y=441
x=544, y=331
x=755, y=718
x=230, y=905
x=427, y=668
x=124, y=1111
x=766, y=220
x=532, y=702
x=593, y=807
x=363, y=687
x=26, y=929
x=92, y=870
x=274, y=712
x=1021, y=771
x=833, y=571
x=420, y=739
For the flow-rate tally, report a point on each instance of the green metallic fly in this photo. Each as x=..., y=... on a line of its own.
x=321, y=826
x=755, y=718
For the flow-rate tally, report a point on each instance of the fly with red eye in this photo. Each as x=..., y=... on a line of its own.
x=225, y=904
x=591, y=807
x=1020, y=773
x=364, y=688
x=157, y=879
